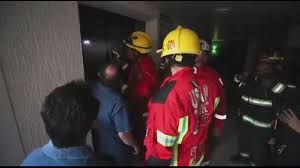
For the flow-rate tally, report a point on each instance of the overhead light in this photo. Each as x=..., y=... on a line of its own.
x=224, y=9
x=86, y=42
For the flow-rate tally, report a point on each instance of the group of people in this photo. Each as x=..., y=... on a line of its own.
x=269, y=111
x=143, y=121
x=139, y=121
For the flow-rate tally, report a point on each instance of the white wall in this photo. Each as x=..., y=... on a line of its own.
x=11, y=152
x=152, y=28
x=40, y=50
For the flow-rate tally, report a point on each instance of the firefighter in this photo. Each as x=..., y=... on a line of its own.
x=181, y=111
x=207, y=72
x=258, y=111
x=142, y=81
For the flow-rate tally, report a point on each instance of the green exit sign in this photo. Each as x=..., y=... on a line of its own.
x=215, y=47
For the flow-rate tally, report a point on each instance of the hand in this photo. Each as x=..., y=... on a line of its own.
x=146, y=114
x=137, y=150
x=291, y=120
x=272, y=141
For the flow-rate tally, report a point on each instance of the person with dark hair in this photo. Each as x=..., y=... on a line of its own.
x=68, y=113
x=112, y=138
x=181, y=111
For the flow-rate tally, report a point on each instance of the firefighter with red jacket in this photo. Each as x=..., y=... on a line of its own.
x=207, y=72
x=181, y=111
x=142, y=80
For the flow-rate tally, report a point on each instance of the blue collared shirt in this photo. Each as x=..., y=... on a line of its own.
x=112, y=119
x=49, y=155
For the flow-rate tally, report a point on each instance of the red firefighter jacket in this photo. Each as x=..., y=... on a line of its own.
x=209, y=73
x=142, y=81
x=179, y=117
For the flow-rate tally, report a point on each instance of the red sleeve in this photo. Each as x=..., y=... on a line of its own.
x=147, y=82
x=220, y=113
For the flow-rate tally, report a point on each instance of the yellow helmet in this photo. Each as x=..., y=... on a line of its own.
x=139, y=41
x=181, y=41
x=271, y=56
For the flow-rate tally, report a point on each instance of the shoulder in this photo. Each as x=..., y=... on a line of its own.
x=163, y=93
x=206, y=81
x=36, y=157
x=214, y=73
x=146, y=61
x=108, y=92
x=92, y=83
x=175, y=87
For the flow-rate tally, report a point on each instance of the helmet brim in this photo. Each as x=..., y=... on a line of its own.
x=141, y=50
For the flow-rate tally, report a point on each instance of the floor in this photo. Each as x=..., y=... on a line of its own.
x=228, y=145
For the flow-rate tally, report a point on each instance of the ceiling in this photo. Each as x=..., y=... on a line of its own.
x=235, y=19
x=231, y=16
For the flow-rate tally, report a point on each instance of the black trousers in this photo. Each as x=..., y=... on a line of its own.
x=254, y=141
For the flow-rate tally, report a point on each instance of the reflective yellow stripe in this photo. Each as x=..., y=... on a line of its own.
x=278, y=88
x=205, y=163
x=182, y=130
x=255, y=101
x=217, y=101
x=174, y=161
x=194, y=163
x=255, y=122
x=291, y=86
x=165, y=140
x=200, y=161
x=220, y=117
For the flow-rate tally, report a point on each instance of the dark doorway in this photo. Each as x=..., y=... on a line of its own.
x=102, y=34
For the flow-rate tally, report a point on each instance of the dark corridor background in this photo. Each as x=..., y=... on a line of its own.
x=243, y=40
x=106, y=32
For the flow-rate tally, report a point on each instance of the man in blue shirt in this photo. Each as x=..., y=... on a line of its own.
x=68, y=113
x=112, y=138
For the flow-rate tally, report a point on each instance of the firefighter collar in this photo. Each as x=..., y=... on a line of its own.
x=183, y=72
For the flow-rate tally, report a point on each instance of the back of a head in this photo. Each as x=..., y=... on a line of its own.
x=109, y=75
x=202, y=58
x=68, y=113
x=181, y=46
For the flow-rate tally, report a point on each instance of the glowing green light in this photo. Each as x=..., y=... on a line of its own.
x=214, y=47
x=214, y=51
